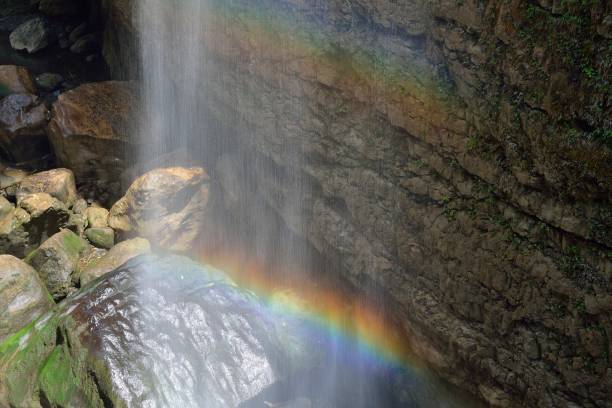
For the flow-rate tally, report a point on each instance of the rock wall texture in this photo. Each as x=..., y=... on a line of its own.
x=454, y=154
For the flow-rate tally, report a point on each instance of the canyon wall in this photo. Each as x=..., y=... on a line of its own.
x=455, y=155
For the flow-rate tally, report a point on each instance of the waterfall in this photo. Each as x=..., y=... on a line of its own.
x=194, y=108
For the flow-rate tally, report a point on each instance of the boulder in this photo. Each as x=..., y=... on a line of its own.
x=154, y=331
x=101, y=237
x=117, y=256
x=34, y=35
x=167, y=206
x=58, y=183
x=39, y=203
x=49, y=81
x=97, y=217
x=90, y=134
x=14, y=79
x=23, y=297
x=56, y=261
x=23, y=139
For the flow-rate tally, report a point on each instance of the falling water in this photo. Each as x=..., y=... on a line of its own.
x=180, y=88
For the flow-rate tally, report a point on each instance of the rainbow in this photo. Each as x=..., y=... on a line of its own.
x=341, y=316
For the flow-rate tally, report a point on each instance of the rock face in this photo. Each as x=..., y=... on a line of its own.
x=229, y=345
x=56, y=261
x=456, y=155
x=23, y=297
x=167, y=206
x=90, y=133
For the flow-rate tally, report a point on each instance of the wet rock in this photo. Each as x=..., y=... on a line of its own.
x=167, y=206
x=80, y=206
x=49, y=81
x=90, y=134
x=77, y=223
x=33, y=35
x=101, y=237
x=14, y=79
x=85, y=44
x=23, y=140
x=97, y=217
x=88, y=257
x=59, y=183
x=23, y=297
x=117, y=256
x=56, y=261
x=120, y=341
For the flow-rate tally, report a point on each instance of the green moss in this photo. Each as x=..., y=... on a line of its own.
x=73, y=243
x=56, y=379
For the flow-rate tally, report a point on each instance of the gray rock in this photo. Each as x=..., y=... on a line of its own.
x=101, y=237
x=77, y=33
x=49, y=81
x=56, y=261
x=33, y=35
x=87, y=43
x=39, y=203
x=23, y=297
x=23, y=119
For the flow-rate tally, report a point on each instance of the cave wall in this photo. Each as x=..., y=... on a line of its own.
x=455, y=154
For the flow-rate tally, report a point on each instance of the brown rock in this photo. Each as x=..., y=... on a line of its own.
x=14, y=79
x=90, y=132
x=167, y=206
x=38, y=203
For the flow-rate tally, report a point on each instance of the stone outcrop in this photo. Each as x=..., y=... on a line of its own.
x=90, y=131
x=113, y=259
x=167, y=206
x=23, y=297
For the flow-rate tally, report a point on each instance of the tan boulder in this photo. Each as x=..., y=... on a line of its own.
x=23, y=296
x=117, y=256
x=167, y=206
x=10, y=176
x=58, y=183
x=38, y=203
x=97, y=217
x=14, y=79
x=90, y=131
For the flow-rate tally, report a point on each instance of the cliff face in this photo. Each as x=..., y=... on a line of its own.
x=454, y=154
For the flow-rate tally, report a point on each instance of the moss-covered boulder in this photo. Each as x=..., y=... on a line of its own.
x=161, y=331
x=101, y=237
x=56, y=261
